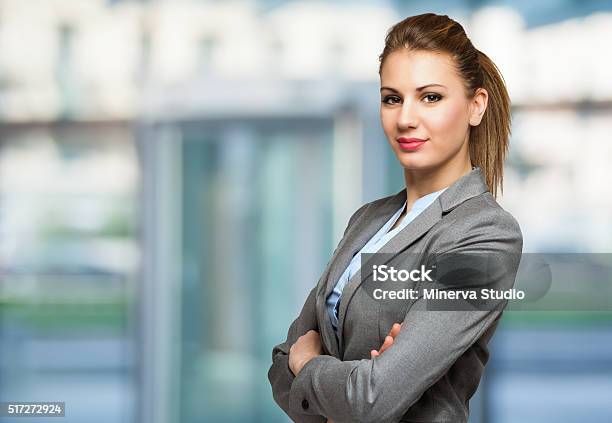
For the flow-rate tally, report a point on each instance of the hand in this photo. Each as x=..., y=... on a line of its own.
x=305, y=349
x=395, y=330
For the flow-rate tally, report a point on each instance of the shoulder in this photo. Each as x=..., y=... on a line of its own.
x=374, y=204
x=479, y=219
x=483, y=209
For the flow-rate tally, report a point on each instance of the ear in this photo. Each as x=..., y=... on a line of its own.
x=478, y=106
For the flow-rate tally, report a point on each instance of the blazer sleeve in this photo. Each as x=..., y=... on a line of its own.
x=384, y=388
x=280, y=375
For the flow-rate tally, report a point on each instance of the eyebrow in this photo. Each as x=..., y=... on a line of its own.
x=418, y=88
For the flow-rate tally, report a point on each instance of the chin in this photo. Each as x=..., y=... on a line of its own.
x=411, y=161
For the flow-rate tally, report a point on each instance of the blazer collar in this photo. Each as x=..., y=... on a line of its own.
x=469, y=185
x=370, y=221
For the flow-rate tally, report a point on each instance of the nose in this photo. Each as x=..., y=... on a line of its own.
x=407, y=117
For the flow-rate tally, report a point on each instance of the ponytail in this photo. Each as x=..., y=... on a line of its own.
x=489, y=141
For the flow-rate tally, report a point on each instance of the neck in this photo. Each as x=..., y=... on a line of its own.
x=420, y=182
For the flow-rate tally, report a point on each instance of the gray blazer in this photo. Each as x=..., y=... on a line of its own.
x=436, y=362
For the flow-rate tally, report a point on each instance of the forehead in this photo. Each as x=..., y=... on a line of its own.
x=406, y=70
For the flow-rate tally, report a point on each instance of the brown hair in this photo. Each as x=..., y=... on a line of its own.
x=488, y=142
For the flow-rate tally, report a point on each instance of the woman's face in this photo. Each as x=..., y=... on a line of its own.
x=422, y=97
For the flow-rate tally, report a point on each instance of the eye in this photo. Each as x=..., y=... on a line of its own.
x=436, y=97
x=391, y=97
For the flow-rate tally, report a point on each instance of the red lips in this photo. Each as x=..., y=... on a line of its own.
x=410, y=144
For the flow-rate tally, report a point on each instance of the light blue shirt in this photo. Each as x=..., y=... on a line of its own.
x=373, y=245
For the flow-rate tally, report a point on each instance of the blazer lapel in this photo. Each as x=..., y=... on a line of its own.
x=414, y=230
x=466, y=187
x=370, y=221
x=362, y=230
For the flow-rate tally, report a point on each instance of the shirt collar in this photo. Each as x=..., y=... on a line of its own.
x=423, y=202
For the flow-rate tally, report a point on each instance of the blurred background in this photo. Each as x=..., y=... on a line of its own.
x=173, y=180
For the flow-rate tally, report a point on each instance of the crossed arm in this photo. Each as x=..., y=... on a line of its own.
x=383, y=388
x=280, y=375
x=309, y=346
x=302, y=350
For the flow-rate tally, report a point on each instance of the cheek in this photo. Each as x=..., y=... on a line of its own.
x=388, y=120
x=449, y=122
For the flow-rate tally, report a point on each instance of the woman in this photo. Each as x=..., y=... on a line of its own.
x=445, y=112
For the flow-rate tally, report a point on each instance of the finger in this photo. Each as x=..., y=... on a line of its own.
x=374, y=353
x=395, y=330
x=313, y=335
x=388, y=342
